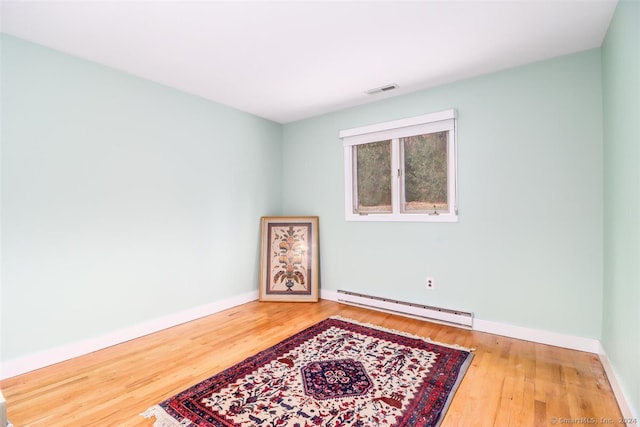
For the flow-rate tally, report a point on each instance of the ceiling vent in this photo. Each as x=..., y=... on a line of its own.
x=385, y=88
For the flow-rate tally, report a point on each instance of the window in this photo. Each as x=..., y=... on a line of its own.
x=404, y=170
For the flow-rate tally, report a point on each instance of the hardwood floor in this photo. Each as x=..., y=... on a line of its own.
x=510, y=382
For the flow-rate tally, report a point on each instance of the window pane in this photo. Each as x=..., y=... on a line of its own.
x=372, y=177
x=425, y=172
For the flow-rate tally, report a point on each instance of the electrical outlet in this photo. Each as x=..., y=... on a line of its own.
x=431, y=283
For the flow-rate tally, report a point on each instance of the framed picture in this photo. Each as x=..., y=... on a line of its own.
x=289, y=259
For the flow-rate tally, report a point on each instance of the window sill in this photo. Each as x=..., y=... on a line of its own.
x=401, y=218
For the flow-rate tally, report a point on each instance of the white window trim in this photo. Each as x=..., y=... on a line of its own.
x=393, y=130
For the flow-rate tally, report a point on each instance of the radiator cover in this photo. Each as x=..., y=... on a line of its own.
x=424, y=312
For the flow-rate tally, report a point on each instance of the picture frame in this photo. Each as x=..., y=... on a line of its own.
x=289, y=259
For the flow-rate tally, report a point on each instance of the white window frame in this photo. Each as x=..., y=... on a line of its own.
x=394, y=130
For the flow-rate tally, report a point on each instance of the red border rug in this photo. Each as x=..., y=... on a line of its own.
x=336, y=373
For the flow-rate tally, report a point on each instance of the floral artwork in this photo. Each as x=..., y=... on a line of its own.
x=289, y=258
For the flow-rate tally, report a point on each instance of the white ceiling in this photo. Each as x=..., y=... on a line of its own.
x=287, y=61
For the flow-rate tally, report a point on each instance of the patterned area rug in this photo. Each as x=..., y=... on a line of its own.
x=335, y=373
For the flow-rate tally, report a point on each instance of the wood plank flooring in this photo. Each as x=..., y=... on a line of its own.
x=510, y=382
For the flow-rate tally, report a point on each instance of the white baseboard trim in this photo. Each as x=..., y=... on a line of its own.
x=330, y=295
x=528, y=334
x=621, y=396
x=36, y=361
x=590, y=345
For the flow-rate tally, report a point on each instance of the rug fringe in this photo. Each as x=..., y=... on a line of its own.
x=163, y=419
x=404, y=334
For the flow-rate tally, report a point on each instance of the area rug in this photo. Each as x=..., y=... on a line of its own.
x=336, y=373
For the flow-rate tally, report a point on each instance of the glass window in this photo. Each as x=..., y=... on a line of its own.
x=403, y=170
x=372, y=177
x=424, y=181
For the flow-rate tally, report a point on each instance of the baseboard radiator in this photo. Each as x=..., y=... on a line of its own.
x=424, y=312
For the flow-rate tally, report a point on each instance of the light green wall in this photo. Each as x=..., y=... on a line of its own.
x=621, y=302
x=122, y=200
x=527, y=249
